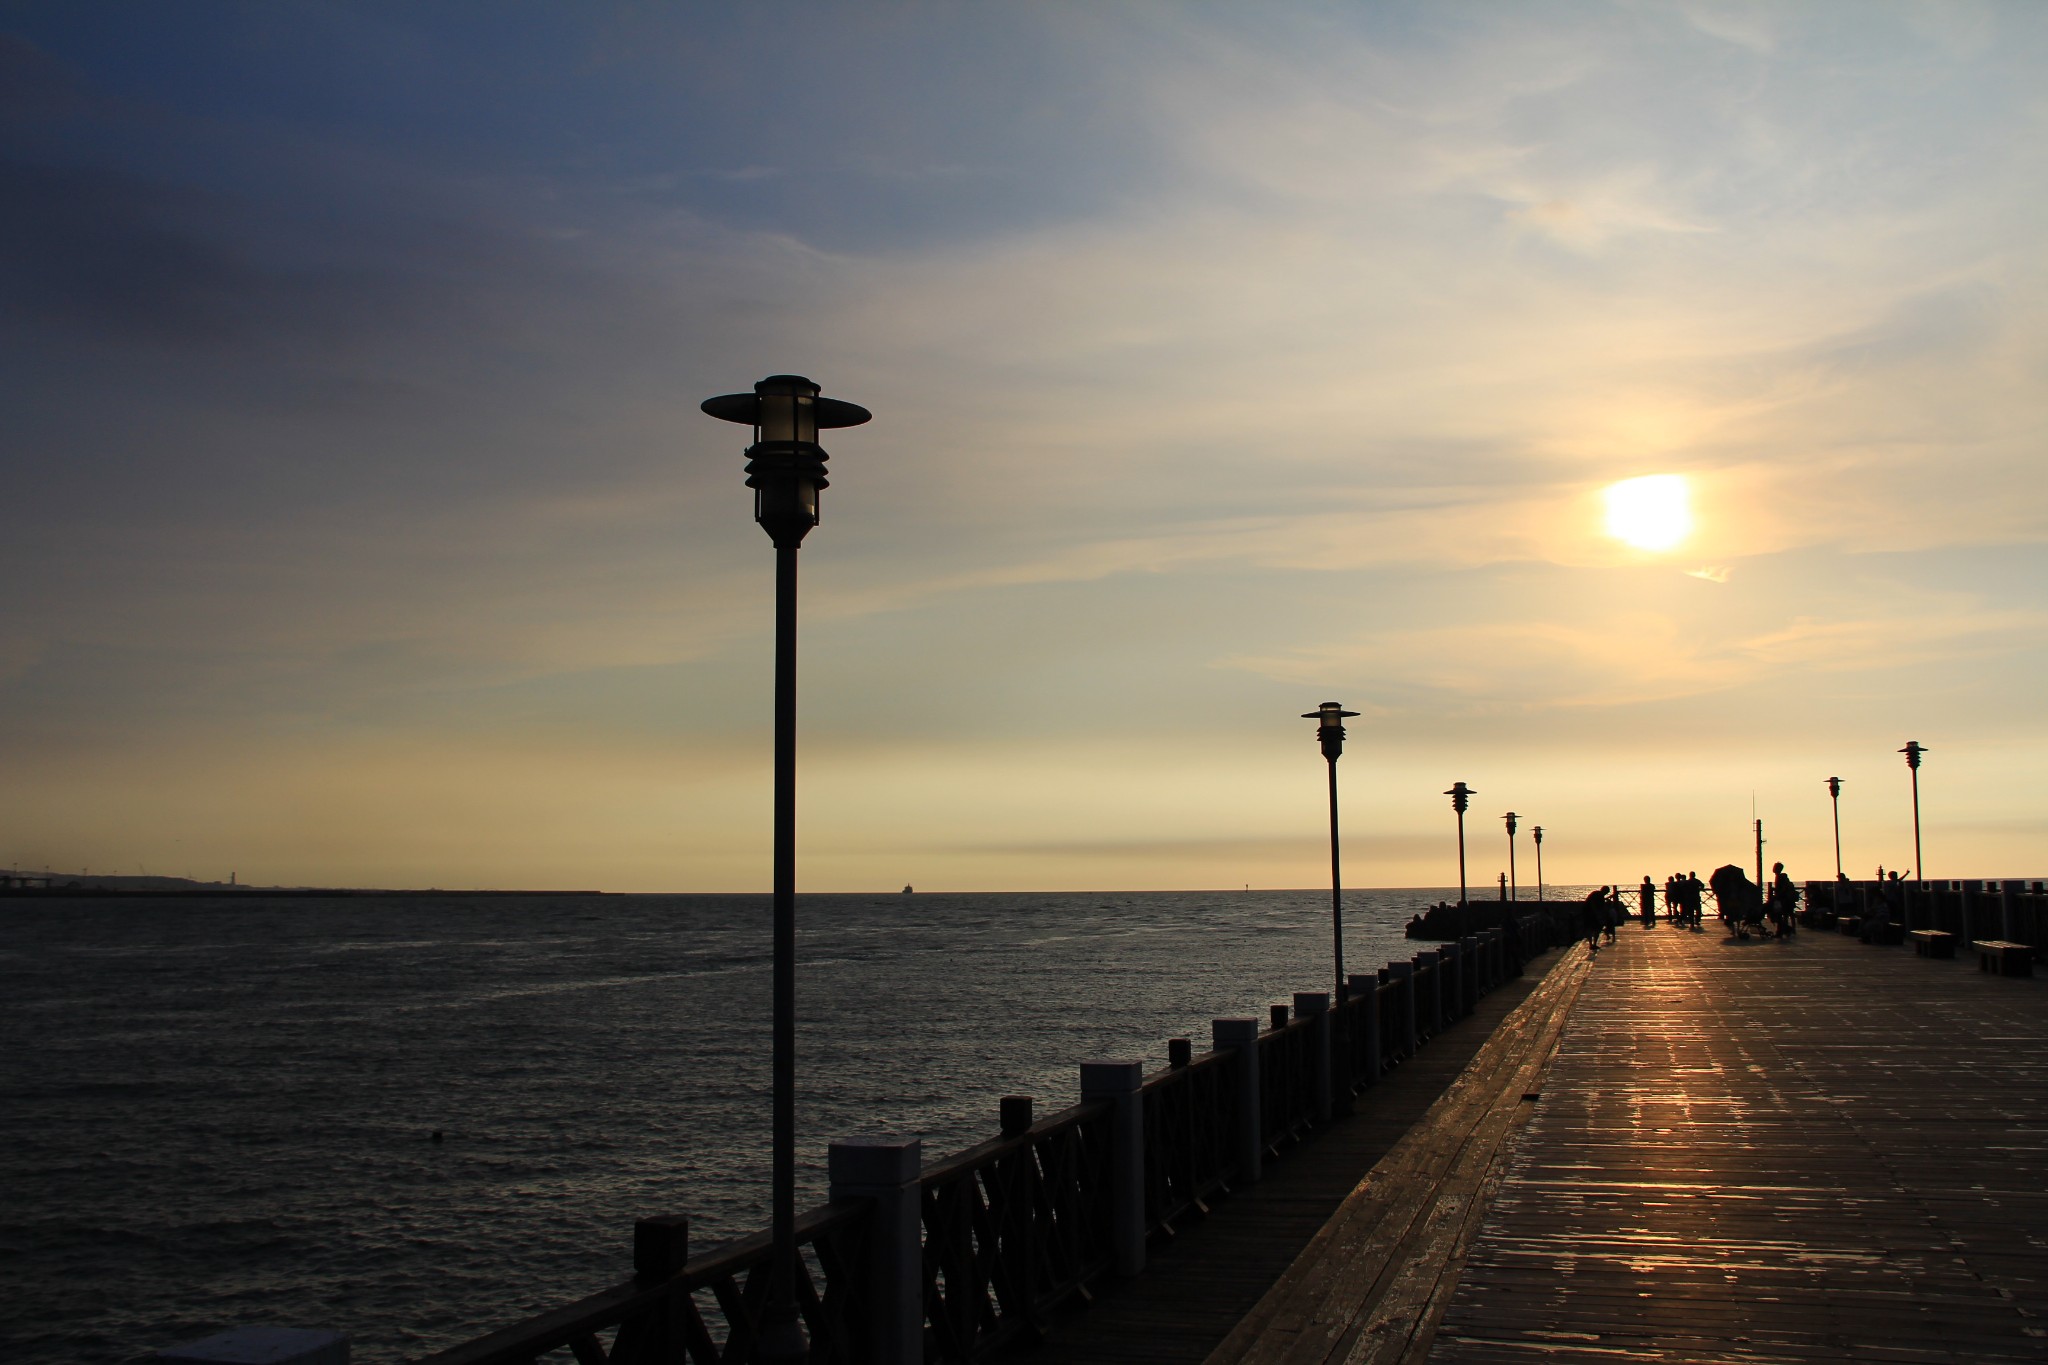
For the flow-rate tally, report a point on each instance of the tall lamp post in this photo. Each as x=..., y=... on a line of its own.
x=1461, y=797
x=1330, y=731
x=1514, y=891
x=1835, y=796
x=786, y=470
x=1914, y=748
x=1537, y=831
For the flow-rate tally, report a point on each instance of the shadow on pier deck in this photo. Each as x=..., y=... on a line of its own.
x=1741, y=1151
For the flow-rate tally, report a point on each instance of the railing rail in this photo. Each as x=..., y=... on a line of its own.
x=666, y=1319
x=1012, y=1228
x=1190, y=1115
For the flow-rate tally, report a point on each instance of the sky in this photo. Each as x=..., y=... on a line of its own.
x=363, y=528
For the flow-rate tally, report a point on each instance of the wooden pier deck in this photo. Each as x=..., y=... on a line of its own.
x=1753, y=1151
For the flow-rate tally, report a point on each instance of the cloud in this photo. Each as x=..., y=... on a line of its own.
x=1632, y=657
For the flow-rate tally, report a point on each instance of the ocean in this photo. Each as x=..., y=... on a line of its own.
x=217, y=1111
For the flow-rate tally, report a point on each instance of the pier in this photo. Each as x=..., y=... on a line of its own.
x=1802, y=1150
x=1687, y=1146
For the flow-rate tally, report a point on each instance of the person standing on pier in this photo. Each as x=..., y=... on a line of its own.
x=1593, y=917
x=1784, y=896
x=1649, y=893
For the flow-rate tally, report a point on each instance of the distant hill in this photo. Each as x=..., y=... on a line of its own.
x=95, y=882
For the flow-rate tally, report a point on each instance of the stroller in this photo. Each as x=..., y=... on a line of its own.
x=1740, y=902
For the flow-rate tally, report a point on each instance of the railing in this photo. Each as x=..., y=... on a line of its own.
x=1287, y=1079
x=662, y=1314
x=1971, y=910
x=1190, y=1114
x=1012, y=1228
x=980, y=1249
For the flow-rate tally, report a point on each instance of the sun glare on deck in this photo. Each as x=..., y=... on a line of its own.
x=1650, y=513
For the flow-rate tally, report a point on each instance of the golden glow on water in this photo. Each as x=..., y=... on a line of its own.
x=1651, y=513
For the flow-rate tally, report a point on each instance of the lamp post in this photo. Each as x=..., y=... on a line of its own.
x=786, y=470
x=1514, y=891
x=1461, y=797
x=1914, y=748
x=1835, y=796
x=1537, y=830
x=1330, y=730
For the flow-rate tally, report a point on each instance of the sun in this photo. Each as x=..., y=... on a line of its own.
x=1650, y=513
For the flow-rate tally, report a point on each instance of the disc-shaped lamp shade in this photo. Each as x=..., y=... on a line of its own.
x=1331, y=714
x=785, y=407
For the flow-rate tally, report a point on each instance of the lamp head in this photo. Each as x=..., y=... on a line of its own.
x=1914, y=748
x=1834, y=786
x=1461, y=796
x=1330, y=730
x=785, y=464
x=1537, y=830
x=1511, y=817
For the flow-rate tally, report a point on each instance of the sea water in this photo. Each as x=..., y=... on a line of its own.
x=218, y=1111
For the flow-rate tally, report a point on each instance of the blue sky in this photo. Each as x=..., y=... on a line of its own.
x=1223, y=361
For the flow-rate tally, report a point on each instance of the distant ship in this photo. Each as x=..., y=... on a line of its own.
x=906, y=890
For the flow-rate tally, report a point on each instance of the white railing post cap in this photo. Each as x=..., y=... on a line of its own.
x=874, y=1160
x=1097, y=1077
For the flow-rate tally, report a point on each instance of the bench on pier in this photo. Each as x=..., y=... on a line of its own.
x=2005, y=959
x=1933, y=942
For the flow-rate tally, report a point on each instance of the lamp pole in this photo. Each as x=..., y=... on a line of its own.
x=1537, y=831
x=1835, y=797
x=1461, y=797
x=786, y=470
x=1330, y=731
x=1914, y=748
x=1514, y=891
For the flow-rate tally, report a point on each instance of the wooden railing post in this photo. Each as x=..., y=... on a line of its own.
x=1365, y=996
x=1403, y=974
x=1241, y=1037
x=1120, y=1083
x=1429, y=1007
x=1316, y=1005
x=886, y=1170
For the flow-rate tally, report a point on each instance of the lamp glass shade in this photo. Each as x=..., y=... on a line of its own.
x=788, y=415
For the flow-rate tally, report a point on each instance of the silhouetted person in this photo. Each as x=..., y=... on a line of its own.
x=1593, y=917
x=1784, y=896
x=1649, y=903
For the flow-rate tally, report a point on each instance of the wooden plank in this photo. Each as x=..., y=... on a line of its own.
x=1774, y=1151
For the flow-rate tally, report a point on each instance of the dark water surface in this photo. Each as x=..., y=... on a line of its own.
x=216, y=1112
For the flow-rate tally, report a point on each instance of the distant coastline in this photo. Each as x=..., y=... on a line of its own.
x=57, y=885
